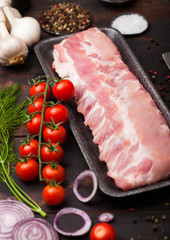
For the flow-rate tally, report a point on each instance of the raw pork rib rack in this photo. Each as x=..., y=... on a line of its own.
x=132, y=135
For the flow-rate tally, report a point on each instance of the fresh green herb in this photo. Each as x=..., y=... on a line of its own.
x=12, y=115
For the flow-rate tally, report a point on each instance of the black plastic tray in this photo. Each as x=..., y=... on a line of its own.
x=82, y=133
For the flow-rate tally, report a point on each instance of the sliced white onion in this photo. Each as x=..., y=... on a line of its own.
x=12, y=212
x=87, y=221
x=80, y=177
x=34, y=229
x=106, y=217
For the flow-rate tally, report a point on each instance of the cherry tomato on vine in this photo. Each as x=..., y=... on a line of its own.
x=63, y=90
x=29, y=148
x=55, y=172
x=33, y=126
x=40, y=88
x=53, y=195
x=37, y=106
x=102, y=231
x=28, y=170
x=57, y=134
x=59, y=113
x=52, y=152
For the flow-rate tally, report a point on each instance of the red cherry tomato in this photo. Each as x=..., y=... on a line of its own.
x=27, y=171
x=33, y=126
x=40, y=88
x=59, y=113
x=36, y=106
x=56, y=173
x=29, y=149
x=52, y=153
x=53, y=195
x=63, y=90
x=102, y=231
x=58, y=134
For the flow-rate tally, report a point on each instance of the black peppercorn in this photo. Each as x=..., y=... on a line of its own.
x=64, y=18
x=154, y=227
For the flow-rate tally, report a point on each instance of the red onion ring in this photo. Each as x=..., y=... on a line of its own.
x=12, y=212
x=80, y=177
x=34, y=228
x=106, y=217
x=87, y=221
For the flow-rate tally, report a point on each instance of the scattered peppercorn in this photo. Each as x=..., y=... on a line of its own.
x=167, y=204
x=153, y=73
x=156, y=220
x=134, y=220
x=148, y=218
x=148, y=47
x=164, y=217
x=64, y=18
x=165, y=237
x=154, y=228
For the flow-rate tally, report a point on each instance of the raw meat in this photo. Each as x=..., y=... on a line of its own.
x=132, y=135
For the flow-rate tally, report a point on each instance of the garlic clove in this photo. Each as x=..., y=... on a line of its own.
x=5, y=3
x=16, y=13
x=13, y=51
x=26, y=29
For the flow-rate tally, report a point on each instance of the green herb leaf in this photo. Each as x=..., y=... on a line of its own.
x=12, y=115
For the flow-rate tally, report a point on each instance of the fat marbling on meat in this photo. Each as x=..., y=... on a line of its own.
x=132, y=135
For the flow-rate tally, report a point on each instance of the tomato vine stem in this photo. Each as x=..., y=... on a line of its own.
x=48, y=81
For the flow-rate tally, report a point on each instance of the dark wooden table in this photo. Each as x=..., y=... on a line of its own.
x=130, y=212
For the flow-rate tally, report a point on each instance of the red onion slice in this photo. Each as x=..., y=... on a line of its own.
x=106, y=217
x=80, y=177
x=34, y=228
x=87, y=221
x=12, y=212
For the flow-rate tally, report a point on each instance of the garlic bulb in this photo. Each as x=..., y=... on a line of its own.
x=12, y=50
x=5, y=2
x=26, y=28
x=16, y=14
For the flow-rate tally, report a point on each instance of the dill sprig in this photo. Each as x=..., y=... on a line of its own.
x=12, y=115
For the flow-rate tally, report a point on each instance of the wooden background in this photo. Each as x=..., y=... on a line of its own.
x=130, y=212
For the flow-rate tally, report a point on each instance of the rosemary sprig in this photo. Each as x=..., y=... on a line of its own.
x=12, y=115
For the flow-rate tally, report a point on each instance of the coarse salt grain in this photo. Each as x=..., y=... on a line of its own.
x=132, y=23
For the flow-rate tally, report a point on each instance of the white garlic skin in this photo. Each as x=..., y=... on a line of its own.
x=16, y=13
x=13, y=51
x=26, y=29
